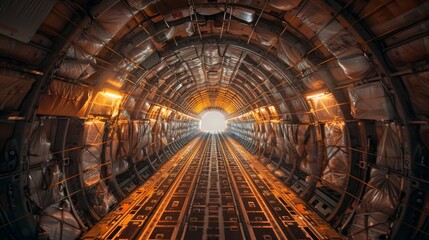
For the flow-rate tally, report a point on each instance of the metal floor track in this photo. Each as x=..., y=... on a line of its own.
x=212, y=189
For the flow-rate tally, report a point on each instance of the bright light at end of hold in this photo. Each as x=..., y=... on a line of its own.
x=213, y=121
x=111, y=95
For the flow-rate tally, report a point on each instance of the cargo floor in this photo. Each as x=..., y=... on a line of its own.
x=212, y=189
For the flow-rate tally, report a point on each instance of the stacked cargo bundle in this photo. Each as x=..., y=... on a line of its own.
x=45, y=185
x=65, y=99
x=156, y=128
x=384, y=189
x=121, y=147
x=141, y=138
x=338, y=41
x=335, y=175
x=91, y=165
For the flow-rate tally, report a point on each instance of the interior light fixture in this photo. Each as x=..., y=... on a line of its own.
x=111, y=95
x=319, y=95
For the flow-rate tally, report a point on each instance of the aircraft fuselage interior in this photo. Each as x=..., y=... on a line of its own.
x=214, y=119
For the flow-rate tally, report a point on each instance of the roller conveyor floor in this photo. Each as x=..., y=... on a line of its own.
x=212, y=189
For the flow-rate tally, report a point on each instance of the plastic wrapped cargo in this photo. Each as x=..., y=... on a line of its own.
x=136, y=135
x=39, y=150
x=270, y=134
x=119, y=163
x=279, y=141
x=105, y=105
x=65, y=99
x=283, y=127
x=123, y=132
x=313, y=16
x=326, y=108
x=377, y=207
x=339, y=41
x=59, y=224
x=289, y=52
x=354, y=63
x=75, y=69
x=123, y=67
x=418, y=84
x=335, y=174
x=42, y=186
x=90, y=156
x=138, y=53
x=13, y=88
x=283, y=107
x=300, y=110
x=343, y=45
x=383, y=195
x=291, y=140
x=91, y=163
x=389, y=149
x=370, y=101
x=265, y=38
x=117, y=154
x=93, y=40
x=139, y=155
x=147, y=136
x=93, y=132
x=77, y=52
x=120, y=78
x=336, y=38
x=115, y=18
x=157, y=142
x=313, y=81
x=37, y=188
x=306, y=150
x=155, y=126
x=371, y=226
x=241, y=13
x=91, y=166
x=101, y=199
x=166, y=132
x=99, y=32
x=80, y=55
x=260, y=134
x=301, y=139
